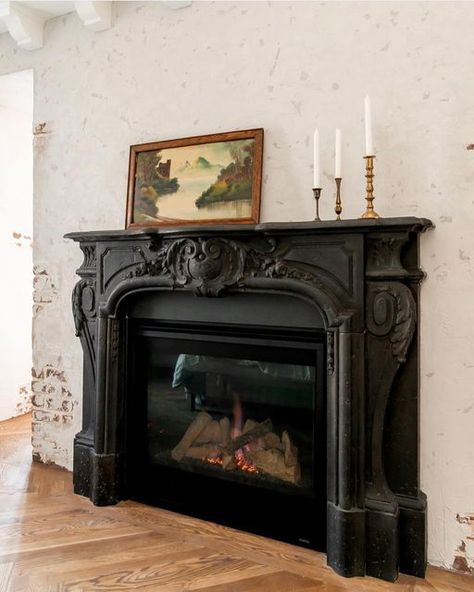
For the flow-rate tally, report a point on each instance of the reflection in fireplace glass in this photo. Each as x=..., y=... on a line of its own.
x=236, y=419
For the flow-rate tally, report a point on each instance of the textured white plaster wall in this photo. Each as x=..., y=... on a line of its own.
x=286, y=67
x=16, y=228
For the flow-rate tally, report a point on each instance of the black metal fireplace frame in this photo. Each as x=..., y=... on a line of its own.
x=363, y=278
x=298, y=519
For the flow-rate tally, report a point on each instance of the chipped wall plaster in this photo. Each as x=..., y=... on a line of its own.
x=16, y=226
x=464, y=558
x=285, y=66
x=53, y=412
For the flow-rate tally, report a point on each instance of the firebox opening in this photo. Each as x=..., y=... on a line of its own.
x=228, y=424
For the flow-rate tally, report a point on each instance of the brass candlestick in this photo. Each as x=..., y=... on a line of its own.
x=338, y=208
x=369, y=188
x=317, y=195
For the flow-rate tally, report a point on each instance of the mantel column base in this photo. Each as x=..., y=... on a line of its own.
x=345, y=540
x=95, y=475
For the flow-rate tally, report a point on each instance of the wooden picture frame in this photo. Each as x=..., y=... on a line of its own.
x=211, y=179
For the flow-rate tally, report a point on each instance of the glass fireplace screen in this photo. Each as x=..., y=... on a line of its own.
x=233, y=411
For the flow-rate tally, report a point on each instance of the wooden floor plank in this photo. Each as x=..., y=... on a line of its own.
x=85, y=553
x=105, y=563
x=279, y=581
x=54, y=541
x=6, y=570
x=188, y=570
x=302, y=561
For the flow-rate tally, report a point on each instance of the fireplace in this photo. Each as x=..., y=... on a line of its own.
x=235, y=415
x=264, y=377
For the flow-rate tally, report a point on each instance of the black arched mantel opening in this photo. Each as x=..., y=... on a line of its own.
x=363, y=278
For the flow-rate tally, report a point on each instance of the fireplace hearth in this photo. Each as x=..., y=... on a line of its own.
x=264, y=377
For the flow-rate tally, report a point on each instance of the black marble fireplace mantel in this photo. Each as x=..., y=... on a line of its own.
x=363, y=278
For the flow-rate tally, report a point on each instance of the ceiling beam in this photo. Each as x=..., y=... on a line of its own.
x=24, y=24
x=96, y=16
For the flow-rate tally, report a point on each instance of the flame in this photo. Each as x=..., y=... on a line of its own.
x=237, y=420
x=241, y=461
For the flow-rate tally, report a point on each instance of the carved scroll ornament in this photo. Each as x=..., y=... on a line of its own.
x=83, y=303
x=391, y=311
x=391, y=324
x=210, y=266
x=207, y=266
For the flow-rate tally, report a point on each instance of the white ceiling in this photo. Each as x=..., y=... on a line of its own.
x=47, y=8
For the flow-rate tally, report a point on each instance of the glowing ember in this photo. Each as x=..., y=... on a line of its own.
x=243, y=464
x=217, y=460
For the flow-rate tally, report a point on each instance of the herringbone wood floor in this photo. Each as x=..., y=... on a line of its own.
x=52, y=541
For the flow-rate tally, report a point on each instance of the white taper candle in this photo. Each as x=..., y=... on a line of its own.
x=369, y=143
x=338, y=158
x=317, y=161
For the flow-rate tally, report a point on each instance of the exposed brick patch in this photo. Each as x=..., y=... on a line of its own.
x=46, y=447
x=52, y=400
x=464, y=557
x=24, y=403
x=53, y=405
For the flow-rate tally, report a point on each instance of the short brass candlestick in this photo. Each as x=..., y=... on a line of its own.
x=369, y=188
x=338, y=208
x=317, y=195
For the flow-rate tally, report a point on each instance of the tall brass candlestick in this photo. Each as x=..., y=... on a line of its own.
x=369, y=188
x=317, y=195
x=338, y=208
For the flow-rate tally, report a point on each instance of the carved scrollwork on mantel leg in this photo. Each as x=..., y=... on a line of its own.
x=84, y=302
x=391, y=312
x=84, y=308
x=391, y=322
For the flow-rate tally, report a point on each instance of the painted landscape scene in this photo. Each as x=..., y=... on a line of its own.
x=192, y=183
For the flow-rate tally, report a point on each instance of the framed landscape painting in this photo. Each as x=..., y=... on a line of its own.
x=212, y=179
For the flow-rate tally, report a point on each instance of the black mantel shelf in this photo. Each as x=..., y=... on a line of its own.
x=405, y=223
x=361, y=278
